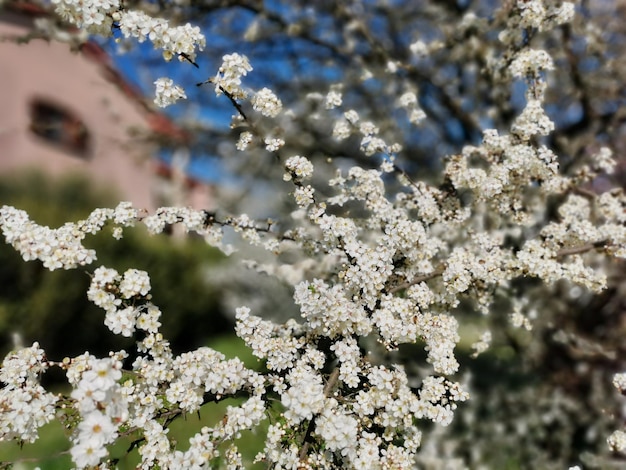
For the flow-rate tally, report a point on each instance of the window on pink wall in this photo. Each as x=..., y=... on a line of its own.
x=60, y=127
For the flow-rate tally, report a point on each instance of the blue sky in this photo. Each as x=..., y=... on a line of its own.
x=142, y=65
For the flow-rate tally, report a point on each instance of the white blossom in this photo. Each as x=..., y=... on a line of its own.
x=531, y=62
x=266, y=102
x=167, y=93
x=376, y=260
x=228, y=79
x=298, y=167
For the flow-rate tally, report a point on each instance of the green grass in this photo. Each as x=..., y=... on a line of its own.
x=49, y=452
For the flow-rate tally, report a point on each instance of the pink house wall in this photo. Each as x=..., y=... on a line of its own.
x=50, y=71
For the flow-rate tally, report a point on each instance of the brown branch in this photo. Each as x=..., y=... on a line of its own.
x=236, y=104
x=332, y=381
x=228, y=95
x=584, y=192
x=576, y=250
x=306, y=442
x=426, y=277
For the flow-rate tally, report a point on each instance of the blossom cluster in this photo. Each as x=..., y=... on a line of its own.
x=62, y=247
x=394, y=274
x=100, y=404
x=99, y=17
x=25, y=404
x=228, y=79
x=298, y=168
x=266, y=102
x=167, y=93
x=327, y=312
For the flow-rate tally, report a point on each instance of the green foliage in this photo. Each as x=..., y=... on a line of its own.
x=52, y=307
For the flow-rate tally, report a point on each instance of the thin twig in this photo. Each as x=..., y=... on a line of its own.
x=581, y=249
x=426, y=277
